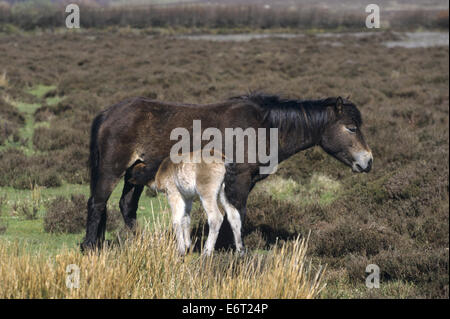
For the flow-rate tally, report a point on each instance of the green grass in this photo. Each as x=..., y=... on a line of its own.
x=26, y=132
x=32, y=232
x=28, y=110
x=340, y=287
x=320, y=189
x=53, y=100
x=28, y=129
x=40, y=90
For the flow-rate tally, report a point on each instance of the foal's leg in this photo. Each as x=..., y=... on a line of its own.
x=215, y=220
x=186, y=224
x=234, y=218
x=178, y=207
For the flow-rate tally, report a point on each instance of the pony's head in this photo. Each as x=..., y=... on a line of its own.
x=343, y=139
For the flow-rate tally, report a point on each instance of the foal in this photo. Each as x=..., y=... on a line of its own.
x=182, y=182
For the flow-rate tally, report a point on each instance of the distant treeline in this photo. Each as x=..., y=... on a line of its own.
x=29, y=16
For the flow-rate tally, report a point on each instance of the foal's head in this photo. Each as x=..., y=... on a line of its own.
x=342, y=137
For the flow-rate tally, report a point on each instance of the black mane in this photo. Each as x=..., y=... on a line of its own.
x=309, y=116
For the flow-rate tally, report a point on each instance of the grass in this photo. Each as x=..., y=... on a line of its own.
x=319, y=189
x=54, y=100
x=149, y=267
x=27, y=130
x=41, y=90
x=32, y=232
x=28, y=110
x=4, y=83
x=340, y=286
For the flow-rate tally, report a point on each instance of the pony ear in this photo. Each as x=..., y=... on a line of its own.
x=339, y=105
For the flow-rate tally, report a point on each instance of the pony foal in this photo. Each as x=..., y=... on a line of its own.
x=182, y=182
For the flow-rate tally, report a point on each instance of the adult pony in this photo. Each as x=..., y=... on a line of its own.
x=138, y=131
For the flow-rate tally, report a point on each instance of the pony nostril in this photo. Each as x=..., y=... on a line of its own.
x=369, y=165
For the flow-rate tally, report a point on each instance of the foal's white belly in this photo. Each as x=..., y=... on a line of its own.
x=185, y=180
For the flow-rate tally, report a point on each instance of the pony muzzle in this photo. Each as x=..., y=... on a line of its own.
x=362, y=162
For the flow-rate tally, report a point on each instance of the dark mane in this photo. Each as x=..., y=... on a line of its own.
x=308, y=116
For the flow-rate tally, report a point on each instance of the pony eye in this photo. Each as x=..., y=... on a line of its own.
x=351, y=129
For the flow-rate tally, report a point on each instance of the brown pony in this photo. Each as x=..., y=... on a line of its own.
x=138, y=130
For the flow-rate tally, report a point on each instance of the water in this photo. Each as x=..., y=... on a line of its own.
x=243, y=37
x=408, y=39
x=420, y=40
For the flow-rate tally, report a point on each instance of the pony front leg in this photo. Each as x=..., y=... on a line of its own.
x=234, y=218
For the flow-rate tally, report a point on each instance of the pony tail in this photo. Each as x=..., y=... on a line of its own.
x=94, y=152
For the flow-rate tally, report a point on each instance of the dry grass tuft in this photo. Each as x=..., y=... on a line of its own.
x=148, y=266
x=4, y=83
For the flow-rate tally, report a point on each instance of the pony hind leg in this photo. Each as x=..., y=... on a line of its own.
x=186, y=224
x=234, y=218
x=96, y=219
x=215, y=220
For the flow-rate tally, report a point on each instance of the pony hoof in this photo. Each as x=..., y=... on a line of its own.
x=87, y=246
